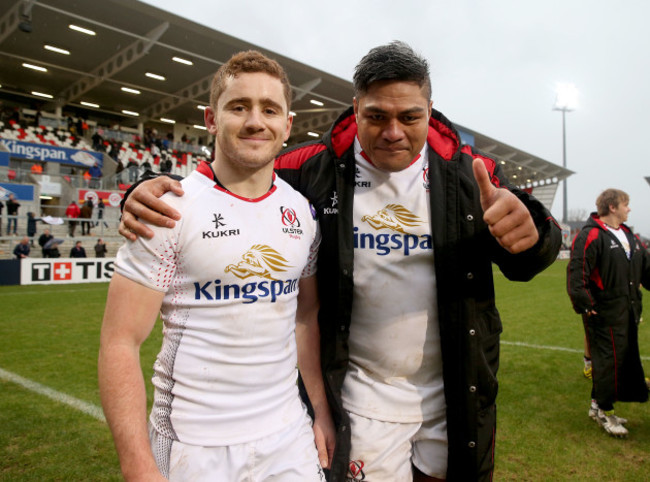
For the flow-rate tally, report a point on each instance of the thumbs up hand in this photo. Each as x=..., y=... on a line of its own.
x=506, y=216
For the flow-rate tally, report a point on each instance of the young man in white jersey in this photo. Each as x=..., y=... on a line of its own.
x=412, y=221
x=236, y=289
x=607, y=267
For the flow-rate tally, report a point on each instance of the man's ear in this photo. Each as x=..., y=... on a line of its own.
x=289, y=124
x=210, y=122
x=355, y=105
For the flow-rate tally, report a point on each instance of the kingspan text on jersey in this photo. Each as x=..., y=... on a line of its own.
x=385, y=243
x=251, y=292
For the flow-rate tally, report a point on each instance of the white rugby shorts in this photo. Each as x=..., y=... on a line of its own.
x=386, y=451
x=289, y=455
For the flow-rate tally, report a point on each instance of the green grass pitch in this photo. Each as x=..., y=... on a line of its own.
x=50, y=337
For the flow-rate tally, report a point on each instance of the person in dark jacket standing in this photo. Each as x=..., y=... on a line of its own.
x=607, y=267
x=411, y=222
x=85, y=213
x=43, y=239
x=12, y=214
x=100, y=249
x=78, y=251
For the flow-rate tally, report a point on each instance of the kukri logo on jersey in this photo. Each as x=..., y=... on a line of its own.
x=360, y=182
x=259, y=261
x=402, y=222
x=333, y=209
x=219, y=222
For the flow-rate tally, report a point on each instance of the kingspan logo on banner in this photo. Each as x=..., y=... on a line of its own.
x=42, y=152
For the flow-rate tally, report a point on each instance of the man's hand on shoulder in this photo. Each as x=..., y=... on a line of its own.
x=144, y=203
x=507, y=217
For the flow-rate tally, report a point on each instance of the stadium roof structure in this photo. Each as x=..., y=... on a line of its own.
x=134, y=46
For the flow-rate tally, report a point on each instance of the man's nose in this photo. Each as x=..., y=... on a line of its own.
x=393, y=131
x=254, y=119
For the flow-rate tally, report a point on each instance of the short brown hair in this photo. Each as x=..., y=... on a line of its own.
x=610, y=197
x=250, y=61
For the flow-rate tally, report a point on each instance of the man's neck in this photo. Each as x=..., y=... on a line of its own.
x=610, y=221
x=247, y=183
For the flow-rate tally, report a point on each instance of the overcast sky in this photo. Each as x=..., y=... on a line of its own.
x=494, y=68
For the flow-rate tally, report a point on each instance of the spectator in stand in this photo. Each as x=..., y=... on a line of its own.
x=31, y=227
x=53, y=249
x=36, y=168
x=98, y=141
x=12, y=213
x=100, y=213
x=95, y=175
x=78, y=251
x=72, y=212
x=43, y=239
x=133, y=167
x=22, y=249
x=100, y=249
x=118, y=173
x=84, y=127
x=71, y=127
x=146, y=166
x=166, y=164
x=79, y=127
x=85, y=213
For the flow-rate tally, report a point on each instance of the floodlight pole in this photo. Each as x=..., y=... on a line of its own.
x=565, y=101
x=564, y=193
x=564, y=110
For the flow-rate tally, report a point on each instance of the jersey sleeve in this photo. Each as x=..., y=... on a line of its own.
x=150, y=262
x=310, y=268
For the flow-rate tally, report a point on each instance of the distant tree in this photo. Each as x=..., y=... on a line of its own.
x=578, y=215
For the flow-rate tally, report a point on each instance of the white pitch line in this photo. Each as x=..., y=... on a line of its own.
x=553, y=348
x=85, y=407
x=97, y=413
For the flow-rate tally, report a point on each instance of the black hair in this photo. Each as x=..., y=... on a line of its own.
x=394, y=61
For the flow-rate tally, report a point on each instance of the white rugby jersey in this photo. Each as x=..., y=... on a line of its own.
x=226, y=372
x=395, y=371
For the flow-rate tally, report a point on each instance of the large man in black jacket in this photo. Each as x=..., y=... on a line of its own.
x=411, y=223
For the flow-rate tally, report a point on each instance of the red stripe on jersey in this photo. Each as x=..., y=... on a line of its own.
x=205, y=169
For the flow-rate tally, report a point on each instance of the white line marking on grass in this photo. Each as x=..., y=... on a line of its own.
x=553, y=348
x=85, y=407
